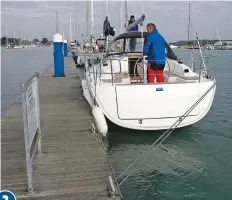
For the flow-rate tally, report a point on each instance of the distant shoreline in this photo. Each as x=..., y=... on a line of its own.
x=192, y=42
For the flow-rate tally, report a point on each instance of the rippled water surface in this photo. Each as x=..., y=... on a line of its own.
x=193, y=163
x=17, y=65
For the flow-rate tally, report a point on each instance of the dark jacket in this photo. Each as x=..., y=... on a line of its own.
x=136, y=28
x=154, y=48
x=106, y=28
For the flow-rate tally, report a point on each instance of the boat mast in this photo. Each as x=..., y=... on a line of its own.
x=70, y=28
x=6, y=37
x=87, y=19
x=126, y=14
x=22, y=38
x=60, y=28
x=120, y=22
x=14, y=42
x=25, y=39
x=218, y=35
x=76, y=20
x=188, y=25
x=107, y=37
x=92, y=20
x=57, y=28
x=92, y=25
x=106, y=8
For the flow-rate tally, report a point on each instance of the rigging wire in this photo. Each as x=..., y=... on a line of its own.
x=163, y=136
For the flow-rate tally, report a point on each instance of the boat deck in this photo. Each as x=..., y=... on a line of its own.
x=185, y=78
x=73, y=164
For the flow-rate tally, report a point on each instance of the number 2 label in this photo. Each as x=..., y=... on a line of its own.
x=5, y=197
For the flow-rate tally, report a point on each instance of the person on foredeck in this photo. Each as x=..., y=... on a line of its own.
x=106, y=27
x=154, y=48
x=132, y=40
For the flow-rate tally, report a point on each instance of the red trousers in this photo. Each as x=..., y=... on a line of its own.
x=152, y=73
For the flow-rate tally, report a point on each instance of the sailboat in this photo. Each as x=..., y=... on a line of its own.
x=116, y=88
x=15, y=45
x=96, y=43
x=173, y=46
x=7, y=42
x=189, y=45
x=93, y=42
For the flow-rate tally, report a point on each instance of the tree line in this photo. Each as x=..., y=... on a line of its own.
x=194, y=42
x=18, y=41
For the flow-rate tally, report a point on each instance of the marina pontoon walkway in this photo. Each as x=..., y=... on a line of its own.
x=73, y=164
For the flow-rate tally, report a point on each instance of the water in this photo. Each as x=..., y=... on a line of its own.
x=17, y=66
x=193, y=163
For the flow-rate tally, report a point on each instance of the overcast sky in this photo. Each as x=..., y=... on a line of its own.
x=38, y=18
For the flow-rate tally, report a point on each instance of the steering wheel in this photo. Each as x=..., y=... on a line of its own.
x=141, y=64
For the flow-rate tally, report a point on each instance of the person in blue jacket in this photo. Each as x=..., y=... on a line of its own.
x=136, y=28
x=154, y=48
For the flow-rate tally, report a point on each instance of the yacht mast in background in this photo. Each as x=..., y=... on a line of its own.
x=87, y=19
x=22, y=42
x=106, y=8
x=57, y=26
x=126, y=14
x=120, y=17
x=188, y=26
x=70, y=28
x=76, y=28
x=92, y=19
x=218, y=35
x=6, y=37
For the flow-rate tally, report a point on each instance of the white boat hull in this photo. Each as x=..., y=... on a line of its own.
x=145, y=107
x=127, y=100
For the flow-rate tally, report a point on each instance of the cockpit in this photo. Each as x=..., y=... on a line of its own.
x=121, y=46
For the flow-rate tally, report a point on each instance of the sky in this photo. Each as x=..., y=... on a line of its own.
x=37, y=19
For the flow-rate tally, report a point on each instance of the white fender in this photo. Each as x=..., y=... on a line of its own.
x=78, y=60
x=97, y=113
x=100, y=120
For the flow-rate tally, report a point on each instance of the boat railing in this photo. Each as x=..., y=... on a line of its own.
x=204, y=63
x=117, y=76
x=103, y=62
x=113, y=75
